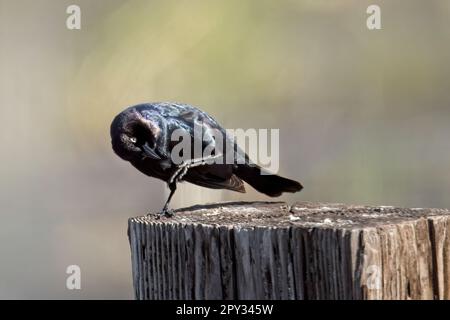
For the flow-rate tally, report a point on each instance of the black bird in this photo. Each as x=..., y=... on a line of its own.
x=142, y=135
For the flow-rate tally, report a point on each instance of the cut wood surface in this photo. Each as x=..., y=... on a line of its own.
x=271, y=250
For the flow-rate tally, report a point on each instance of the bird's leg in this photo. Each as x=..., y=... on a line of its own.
x=177, y=176
x=165, y=210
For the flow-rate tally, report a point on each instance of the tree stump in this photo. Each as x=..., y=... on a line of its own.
x=270, y=250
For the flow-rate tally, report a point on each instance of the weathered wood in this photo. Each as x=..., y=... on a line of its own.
x=269, y=250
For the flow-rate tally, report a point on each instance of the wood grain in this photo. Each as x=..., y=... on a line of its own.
x=269, y=250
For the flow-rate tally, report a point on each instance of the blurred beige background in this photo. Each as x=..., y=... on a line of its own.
x=363, y=115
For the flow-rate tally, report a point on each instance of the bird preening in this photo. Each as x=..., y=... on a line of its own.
x=148, y=136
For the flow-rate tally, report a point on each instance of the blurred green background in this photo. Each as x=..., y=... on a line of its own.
x=363, y=115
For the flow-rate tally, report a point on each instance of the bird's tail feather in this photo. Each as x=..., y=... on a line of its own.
x=269, y=184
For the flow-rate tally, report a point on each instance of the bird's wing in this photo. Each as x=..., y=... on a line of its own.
x=206, y=177
x=203, y=131
x=191, y=115
x=217, y=176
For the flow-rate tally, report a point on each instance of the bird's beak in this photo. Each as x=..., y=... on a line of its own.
x=150, y=152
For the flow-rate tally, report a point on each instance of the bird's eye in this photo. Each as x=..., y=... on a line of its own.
x=133, y=139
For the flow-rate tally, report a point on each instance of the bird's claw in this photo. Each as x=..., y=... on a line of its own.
x=179, y=173
x=183, y=168
x=168, y=213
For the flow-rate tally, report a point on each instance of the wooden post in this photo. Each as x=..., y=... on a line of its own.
x=269, y=250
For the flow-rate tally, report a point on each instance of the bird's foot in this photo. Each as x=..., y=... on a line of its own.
x=179, y=173
x=165, y=212
x=168, y=213
x=183, y=168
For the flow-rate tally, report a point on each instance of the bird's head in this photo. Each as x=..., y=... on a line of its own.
x=134, y=135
